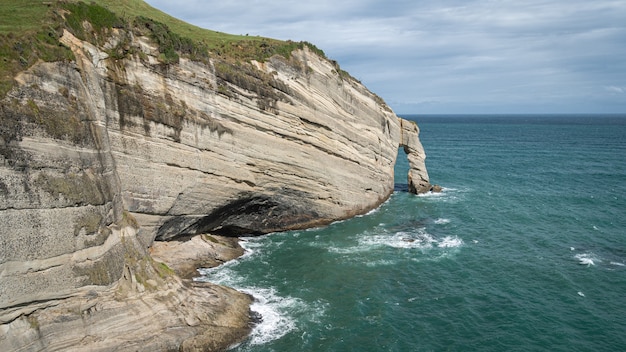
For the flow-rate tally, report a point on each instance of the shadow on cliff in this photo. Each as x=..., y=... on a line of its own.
x=249, y=214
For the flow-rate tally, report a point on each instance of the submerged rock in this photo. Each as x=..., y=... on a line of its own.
x=436, y=189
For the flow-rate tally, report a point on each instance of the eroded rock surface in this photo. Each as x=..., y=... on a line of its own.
x=417, y=178
x=186, y=255
x=101, y=156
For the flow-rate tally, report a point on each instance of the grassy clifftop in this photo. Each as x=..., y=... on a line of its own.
x=29, y=31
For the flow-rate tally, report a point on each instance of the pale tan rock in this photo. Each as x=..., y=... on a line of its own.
x=186, y=255
x=418, y=179
x=99, y=157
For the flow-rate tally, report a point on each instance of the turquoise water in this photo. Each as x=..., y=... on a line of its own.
x=524, y=250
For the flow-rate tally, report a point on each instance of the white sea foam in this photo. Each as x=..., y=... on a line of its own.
x=373, y=211
x=331, y=224
x=433, y=194
x=450, y=242
x=347, y=250
x=279, y=315
x=250, y=245
x=587, y=259
x=273, y=310
x=419, y=239
x=445, y=194
x=617, y=263
x=442, y=221
x=225, y=274
x=381, y=262
x=222, y=275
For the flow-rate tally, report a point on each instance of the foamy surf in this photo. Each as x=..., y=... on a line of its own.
x=381, y=262
x=419, y=239
x=446, y=194
x=433, y=194
x=450, y=242
x=272, y=309
x=277, y=315
x=402, y=239
x=587, y=259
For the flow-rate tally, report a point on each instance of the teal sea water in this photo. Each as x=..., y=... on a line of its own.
x=524, y=250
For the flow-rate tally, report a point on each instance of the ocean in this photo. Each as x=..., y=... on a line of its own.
x=524, y=250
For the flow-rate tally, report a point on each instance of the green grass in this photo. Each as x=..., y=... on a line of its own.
x=30, y=29
x=228, y=46
x=22, y=16
x=19, y=16
x=28, y=32
x=133, y=8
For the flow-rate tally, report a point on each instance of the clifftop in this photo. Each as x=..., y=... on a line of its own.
x=30, y=31
x=116, y=131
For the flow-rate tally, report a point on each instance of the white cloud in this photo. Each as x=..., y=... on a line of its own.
x=614, y=89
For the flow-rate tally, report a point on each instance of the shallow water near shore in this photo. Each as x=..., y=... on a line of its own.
x=525, y=249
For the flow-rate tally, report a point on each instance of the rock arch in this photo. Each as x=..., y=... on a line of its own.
x=418, y=175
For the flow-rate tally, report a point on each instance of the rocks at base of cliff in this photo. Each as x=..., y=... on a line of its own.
x=176, y=316
x=186, y=255
x=149, y=309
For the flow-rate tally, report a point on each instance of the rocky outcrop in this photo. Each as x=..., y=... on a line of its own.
x=147, y=309
x=186, y=255
x=417, y=178
x=102, y=155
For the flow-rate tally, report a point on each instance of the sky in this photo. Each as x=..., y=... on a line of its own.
x=450, y=56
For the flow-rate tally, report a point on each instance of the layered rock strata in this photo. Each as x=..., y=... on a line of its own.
x=186, y=255
x=417, y=177
x=101, y=156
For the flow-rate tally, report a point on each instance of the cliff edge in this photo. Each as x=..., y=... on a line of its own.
x=125, y=142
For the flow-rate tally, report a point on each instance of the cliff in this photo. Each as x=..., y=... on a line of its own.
x=121, y=145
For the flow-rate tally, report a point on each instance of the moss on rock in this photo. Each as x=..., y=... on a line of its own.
x=74, y=188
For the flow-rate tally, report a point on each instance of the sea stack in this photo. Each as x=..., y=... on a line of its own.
x=418, y=180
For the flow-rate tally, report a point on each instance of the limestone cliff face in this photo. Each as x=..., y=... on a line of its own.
x=101, y=156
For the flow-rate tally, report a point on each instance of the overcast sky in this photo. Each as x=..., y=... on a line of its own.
x=449, y=56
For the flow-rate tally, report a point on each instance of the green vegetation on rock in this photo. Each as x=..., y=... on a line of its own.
x=90, y=222
x=20, y=16
x=268, y=90
x=76, y=189
x=170, y=43
x=30, y=29
x=99, y=20
x=128, y=220
x=28, y=32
